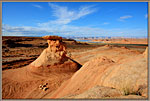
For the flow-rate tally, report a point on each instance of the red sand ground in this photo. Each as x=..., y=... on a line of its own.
x=22, y=83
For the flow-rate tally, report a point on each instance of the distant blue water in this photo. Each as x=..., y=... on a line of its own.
x=82, y=40
x=96, y=42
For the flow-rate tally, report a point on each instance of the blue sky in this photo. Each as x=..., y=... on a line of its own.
x=83, y=19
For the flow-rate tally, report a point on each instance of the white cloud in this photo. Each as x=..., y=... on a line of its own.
x=122, y=18
x=67, y=30
x=21, y=31
x=61, y=26
x=37, y=6
x=64, y=15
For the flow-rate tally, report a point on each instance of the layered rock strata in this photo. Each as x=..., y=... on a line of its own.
x=53, y=58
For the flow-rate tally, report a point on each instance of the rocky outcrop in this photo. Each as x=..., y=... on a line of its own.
x=54, y=54
x=97, y=92
x=128, y=76
x=53, y=58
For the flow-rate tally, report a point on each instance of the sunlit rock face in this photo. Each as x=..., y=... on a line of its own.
x=54, y=57
x=129, y=76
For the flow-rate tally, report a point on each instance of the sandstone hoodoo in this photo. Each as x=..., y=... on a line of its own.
x=53, y=58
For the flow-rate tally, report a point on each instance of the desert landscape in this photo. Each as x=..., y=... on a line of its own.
x=75, y=50
x=52, y=67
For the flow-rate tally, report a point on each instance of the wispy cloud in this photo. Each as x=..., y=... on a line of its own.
x=62, y=27
x=65, y=16
x=123, y=18
x=67, y=30
x=21, y=31
x=37, y=6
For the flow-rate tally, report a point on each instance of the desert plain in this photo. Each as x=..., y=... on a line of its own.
x=32, y=68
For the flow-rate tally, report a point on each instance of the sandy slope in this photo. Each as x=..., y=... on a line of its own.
x=20, y=83
x=122, y=69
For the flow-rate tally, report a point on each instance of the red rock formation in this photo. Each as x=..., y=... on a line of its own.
x=53, y=58
x=128, y=76
x=97, y=92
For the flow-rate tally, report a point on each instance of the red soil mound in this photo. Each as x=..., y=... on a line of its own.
x=128, y=76
x=68, y=66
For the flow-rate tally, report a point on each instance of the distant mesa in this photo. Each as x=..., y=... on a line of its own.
x=52, y=37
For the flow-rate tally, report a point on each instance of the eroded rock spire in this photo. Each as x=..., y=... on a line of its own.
x=54, y=57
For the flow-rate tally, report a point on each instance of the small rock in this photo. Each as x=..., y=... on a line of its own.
x=40, y=86
x=45, y=88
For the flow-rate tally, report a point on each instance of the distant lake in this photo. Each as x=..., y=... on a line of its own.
x=82, y=40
